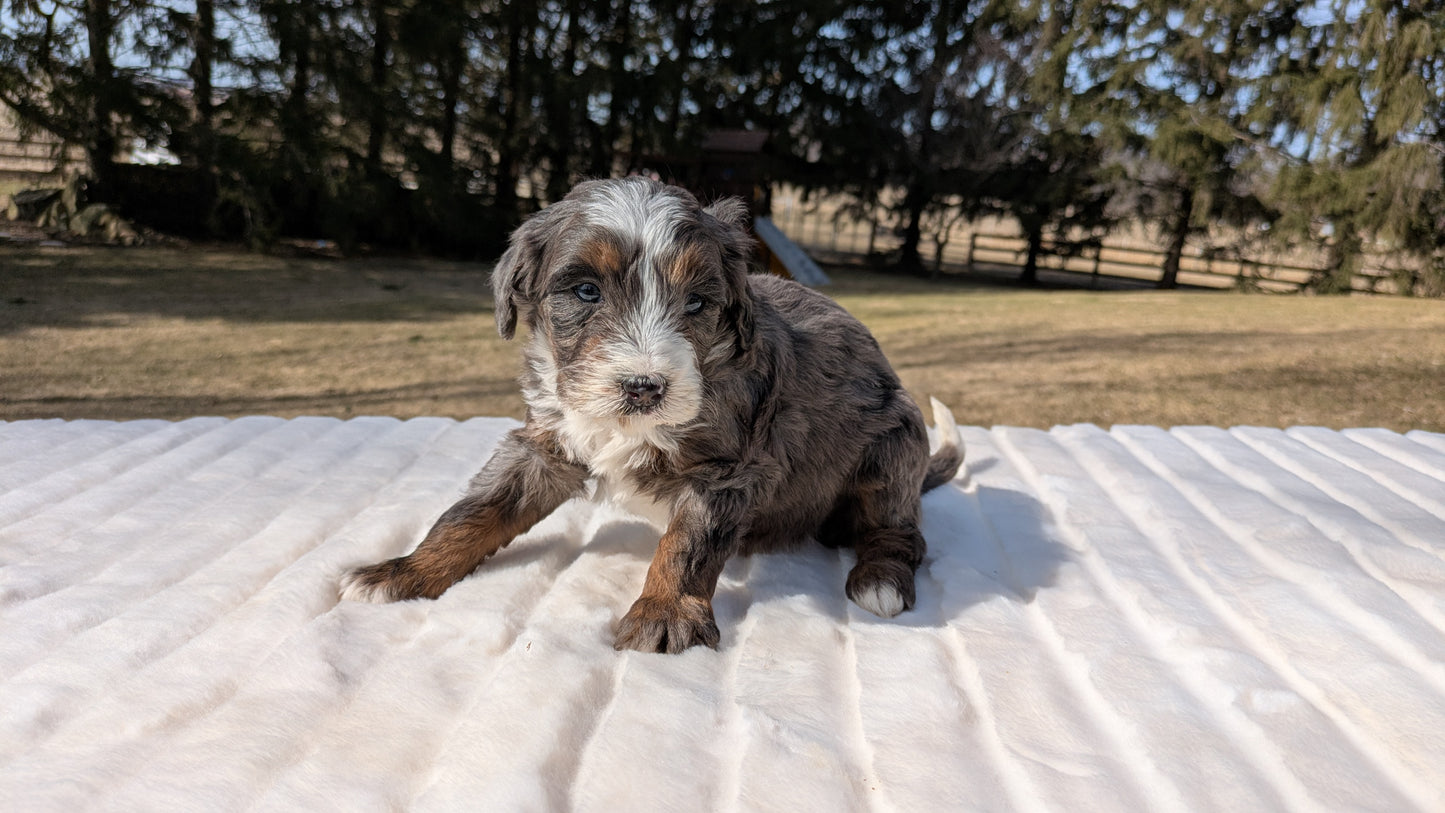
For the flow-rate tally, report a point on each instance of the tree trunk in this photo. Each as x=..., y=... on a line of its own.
x=203, y=41
x=909, y=260
x=1345, y=255
x=561, y=110
x=101, y=142
x=1030, y=275
x=453, y=64
x=620, y=46
x=506, y=176
x=683, y=35
x=295, y=122
x=380, y=84
x=919, y=194
x=1180, y=235
x=203, y=135
x=1346, y=250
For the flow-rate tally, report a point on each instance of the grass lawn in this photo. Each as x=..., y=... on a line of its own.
x=172, y=333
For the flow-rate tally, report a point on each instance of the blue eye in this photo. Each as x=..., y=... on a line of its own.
x=588, y=292
x=694, y=304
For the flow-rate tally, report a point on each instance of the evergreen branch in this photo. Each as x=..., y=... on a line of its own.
x=1259, y=145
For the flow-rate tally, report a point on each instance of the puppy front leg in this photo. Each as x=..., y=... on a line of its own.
x=523, y=482
x=674, y=611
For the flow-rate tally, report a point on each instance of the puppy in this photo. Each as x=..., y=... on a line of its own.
x=749, y=411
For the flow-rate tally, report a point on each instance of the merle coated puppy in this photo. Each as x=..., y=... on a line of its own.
x=748, y=411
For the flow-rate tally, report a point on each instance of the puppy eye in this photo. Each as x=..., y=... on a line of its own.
x=694, y=304
x=588, y=292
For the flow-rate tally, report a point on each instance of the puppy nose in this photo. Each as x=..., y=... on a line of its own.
x=643, y=390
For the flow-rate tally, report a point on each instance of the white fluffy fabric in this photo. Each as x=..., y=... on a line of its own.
x=1134, y=619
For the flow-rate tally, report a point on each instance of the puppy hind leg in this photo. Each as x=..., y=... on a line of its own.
x=882, y=580
x=522, y=483
x=885, y=513
x=840, y=527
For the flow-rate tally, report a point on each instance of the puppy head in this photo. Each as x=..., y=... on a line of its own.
x=633, y=293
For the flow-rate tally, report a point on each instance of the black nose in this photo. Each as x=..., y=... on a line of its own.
x=643, y=391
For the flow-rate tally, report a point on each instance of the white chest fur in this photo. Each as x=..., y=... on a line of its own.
x=610, y=447
x=654, y=513
x=612, y=451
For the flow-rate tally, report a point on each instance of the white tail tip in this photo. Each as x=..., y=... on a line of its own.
x=948, y=435
x=946, y=425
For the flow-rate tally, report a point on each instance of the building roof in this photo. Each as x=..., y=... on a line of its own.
x=734, y=141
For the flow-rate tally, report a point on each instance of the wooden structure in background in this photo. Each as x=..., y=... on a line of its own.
x=733, y=163
x=33, y=157
x=785, y=258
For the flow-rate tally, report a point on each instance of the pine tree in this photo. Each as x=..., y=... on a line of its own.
x=1056, y=184
x=1364, y=133
x=1055, y=187
x=57, y=70
x=1173, y=93
x=921, y=98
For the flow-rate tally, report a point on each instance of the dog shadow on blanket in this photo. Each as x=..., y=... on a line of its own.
x=984, y=543
x=990, y=542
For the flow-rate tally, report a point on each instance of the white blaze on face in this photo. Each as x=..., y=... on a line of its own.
x=649, y=342
x=590, y=412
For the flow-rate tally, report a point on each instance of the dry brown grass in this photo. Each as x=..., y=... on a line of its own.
x=173, y=333
x=1039, y=358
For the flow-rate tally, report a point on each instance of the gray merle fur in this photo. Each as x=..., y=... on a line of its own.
x=778, y=418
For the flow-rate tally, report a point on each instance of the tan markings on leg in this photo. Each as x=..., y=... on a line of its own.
x=460, y=541
x=523, y=482
x=452, y=550
x=674, y=611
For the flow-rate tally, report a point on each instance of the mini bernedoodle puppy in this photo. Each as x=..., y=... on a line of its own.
x=749, y=410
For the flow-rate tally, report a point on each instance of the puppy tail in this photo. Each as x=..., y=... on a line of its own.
x=943, y=466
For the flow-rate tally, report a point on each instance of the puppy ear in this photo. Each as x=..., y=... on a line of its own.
x=514, y=280
x=728, y=218
x=731, y=211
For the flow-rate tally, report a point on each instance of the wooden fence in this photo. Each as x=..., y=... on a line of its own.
x=993, y=248
x=34, y=160
x=1133, y=263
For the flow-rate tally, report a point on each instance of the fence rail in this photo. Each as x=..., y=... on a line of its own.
x=817, y=228
x=1134, y=263
x=32, y=157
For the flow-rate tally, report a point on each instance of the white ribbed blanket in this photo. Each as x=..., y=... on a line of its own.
x=1134, y=619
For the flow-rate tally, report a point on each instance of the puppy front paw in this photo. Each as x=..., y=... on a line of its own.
x=382, y=582
x=667, y=625
x=883, y=587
